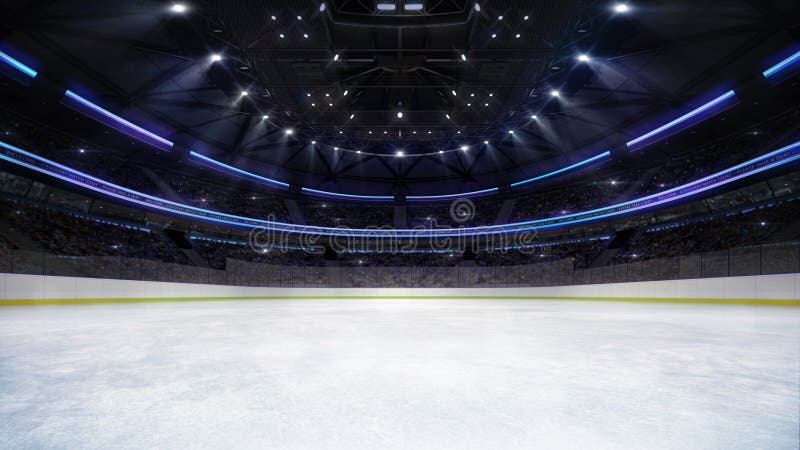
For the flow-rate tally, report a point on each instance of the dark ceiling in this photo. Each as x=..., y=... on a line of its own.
x=339, y=75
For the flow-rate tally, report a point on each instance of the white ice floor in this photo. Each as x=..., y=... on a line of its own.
x=400, y=374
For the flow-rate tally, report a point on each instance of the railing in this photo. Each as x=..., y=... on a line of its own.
x=756, y=260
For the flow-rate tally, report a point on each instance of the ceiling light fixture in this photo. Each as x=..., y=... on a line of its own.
x=583, y=57
x=621, y=8
x=555, y=93
x=289, y=131
x=534, y=117
x=463, y=57
x=265, y=117
x=179, y=8
x=399, y=153
x=346, y=92
x=244, y=93
x=336, y=57
x=464, y=148
x=216, y=57
x=399, y=114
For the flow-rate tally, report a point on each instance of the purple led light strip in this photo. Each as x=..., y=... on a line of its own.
x=116, y=122
x=762, y=163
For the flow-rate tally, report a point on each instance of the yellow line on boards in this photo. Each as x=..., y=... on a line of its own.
x=74, y=301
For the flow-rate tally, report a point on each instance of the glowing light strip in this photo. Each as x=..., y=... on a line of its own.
x=239, y=171
x=693, y=113
x=756, y=165
x=451, y=196
x=782, y=65
x=122, y=125
x=349, y=196
x=563, y=169
x=17, y=65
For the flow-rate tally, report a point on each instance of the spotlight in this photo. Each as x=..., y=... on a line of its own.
x=583, y=57
x=534, y=117
x=178, y=8
x=447, y=116
x=308, y=94
x=463, y=57
x=313, y=142
x=441, y=152
x=265, y=117
x=399, y=154
x=305, y=35
x=299, y=17
x=518, y=35
x=82, y=151
x=358, y=151
x=322, y=7
x=499, y=17
x=244, y=93
x=510, y=131
x=289, y=131
x=399, y=114
x=216, y=57
x=274, y=18
x=352, y=116
x=282, y=35
x=336, y=57
x=464, y=148
x=486, y=142
x=477, y=7
x=336, y=148
x=346, y=92
x=525, y=18
x=554, y=93
x=494, y=35
x=621, y=8
x=453, y=92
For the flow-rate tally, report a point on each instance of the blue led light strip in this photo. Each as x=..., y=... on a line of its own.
x=794, y=59
x=237, y=170
x=17, y=65
x=96, y=112
x=347, y=196
x=452, y=196
x=756, y=165
x=705, y=108
x=563, y=169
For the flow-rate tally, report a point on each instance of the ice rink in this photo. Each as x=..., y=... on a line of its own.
x=346, y=374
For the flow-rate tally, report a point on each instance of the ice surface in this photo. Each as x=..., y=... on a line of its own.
x=400, y=374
